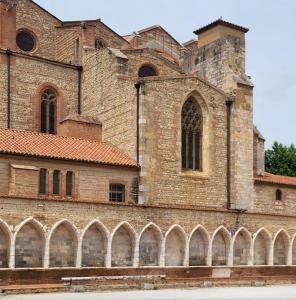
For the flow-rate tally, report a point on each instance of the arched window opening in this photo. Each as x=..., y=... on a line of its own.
x=29, y=247
x=94, y=247
x=117, y=193
x=56, y=186
x=191, y=135
x=146, y=71
x=43, y=181
x=48, y=112
x=69, y=183
x=278, y=195
x=122, y=247
x=63, y=246
x=99, y=44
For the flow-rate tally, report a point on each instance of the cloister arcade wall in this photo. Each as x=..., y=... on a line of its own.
x=32, y=245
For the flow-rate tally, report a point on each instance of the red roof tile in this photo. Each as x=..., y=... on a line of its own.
x=60, y=147
x=277, y=179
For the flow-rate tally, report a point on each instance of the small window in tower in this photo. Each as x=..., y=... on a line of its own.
x=69, y=183
x=99, y=44
x=146, y=71
x=43, y=182
x=25, y=40
x=117, y=193
x=56, y=185
x=278, y=195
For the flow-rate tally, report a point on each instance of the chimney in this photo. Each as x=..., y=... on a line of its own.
x=83, y=127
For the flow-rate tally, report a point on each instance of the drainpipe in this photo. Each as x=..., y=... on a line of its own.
x=229, y=103
x=8, y=54
x=80, y=69
x=138, y=87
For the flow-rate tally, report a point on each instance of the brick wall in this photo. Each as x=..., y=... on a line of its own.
x=91, y=183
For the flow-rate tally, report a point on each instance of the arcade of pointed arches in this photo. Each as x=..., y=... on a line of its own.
x=31, y=245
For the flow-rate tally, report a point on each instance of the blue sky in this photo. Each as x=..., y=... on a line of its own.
x=271, y=43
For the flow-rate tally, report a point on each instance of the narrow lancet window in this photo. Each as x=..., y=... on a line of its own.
x=43, y=182
x=69, y=184
x=56, y=182
x=191, y=135
x=48, y=112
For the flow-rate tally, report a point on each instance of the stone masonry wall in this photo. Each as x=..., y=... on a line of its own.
x=29, y=77
x=162, y=179
x=62, y=223
x=137, y=58
x=265, y=200
x=111, y=100
x=31, y=17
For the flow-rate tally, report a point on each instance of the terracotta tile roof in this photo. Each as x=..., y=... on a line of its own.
x=60, y=147
x=276, y=179
x=220, y=22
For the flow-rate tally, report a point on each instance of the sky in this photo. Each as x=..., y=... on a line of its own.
x=270, y=49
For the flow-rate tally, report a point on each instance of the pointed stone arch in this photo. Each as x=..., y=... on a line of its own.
x=123, y=239
x=205, y=134
x=175, y=242
x=5, y=244
x=261, y=247
x=280, y=246
x=199, y=240
x=220, y=246
x=94, y=243
x=29, y=244
x=242, y=247
x=150, y=241
x=293, y=249
x=63, y=242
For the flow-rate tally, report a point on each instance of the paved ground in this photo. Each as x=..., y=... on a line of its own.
x=285, y=292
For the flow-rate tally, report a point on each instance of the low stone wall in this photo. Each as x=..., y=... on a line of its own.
x=54, y=276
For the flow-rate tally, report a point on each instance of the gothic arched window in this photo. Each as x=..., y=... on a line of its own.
x=191, y=135
x=48, y=112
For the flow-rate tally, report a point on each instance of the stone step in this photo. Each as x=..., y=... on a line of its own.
x=32, y=288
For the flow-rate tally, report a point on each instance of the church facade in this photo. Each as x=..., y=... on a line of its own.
x=132, y=151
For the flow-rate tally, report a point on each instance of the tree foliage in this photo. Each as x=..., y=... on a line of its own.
x=281, y=159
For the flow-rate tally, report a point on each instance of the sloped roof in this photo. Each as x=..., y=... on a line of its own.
x=258, y=133
x=221, y=22
x=276, y=179
x=158, y=27
x=59, y=147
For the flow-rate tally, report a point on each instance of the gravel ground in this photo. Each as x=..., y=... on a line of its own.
x=285, y=292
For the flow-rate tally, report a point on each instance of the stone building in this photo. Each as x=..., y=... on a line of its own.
x=132, y=151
